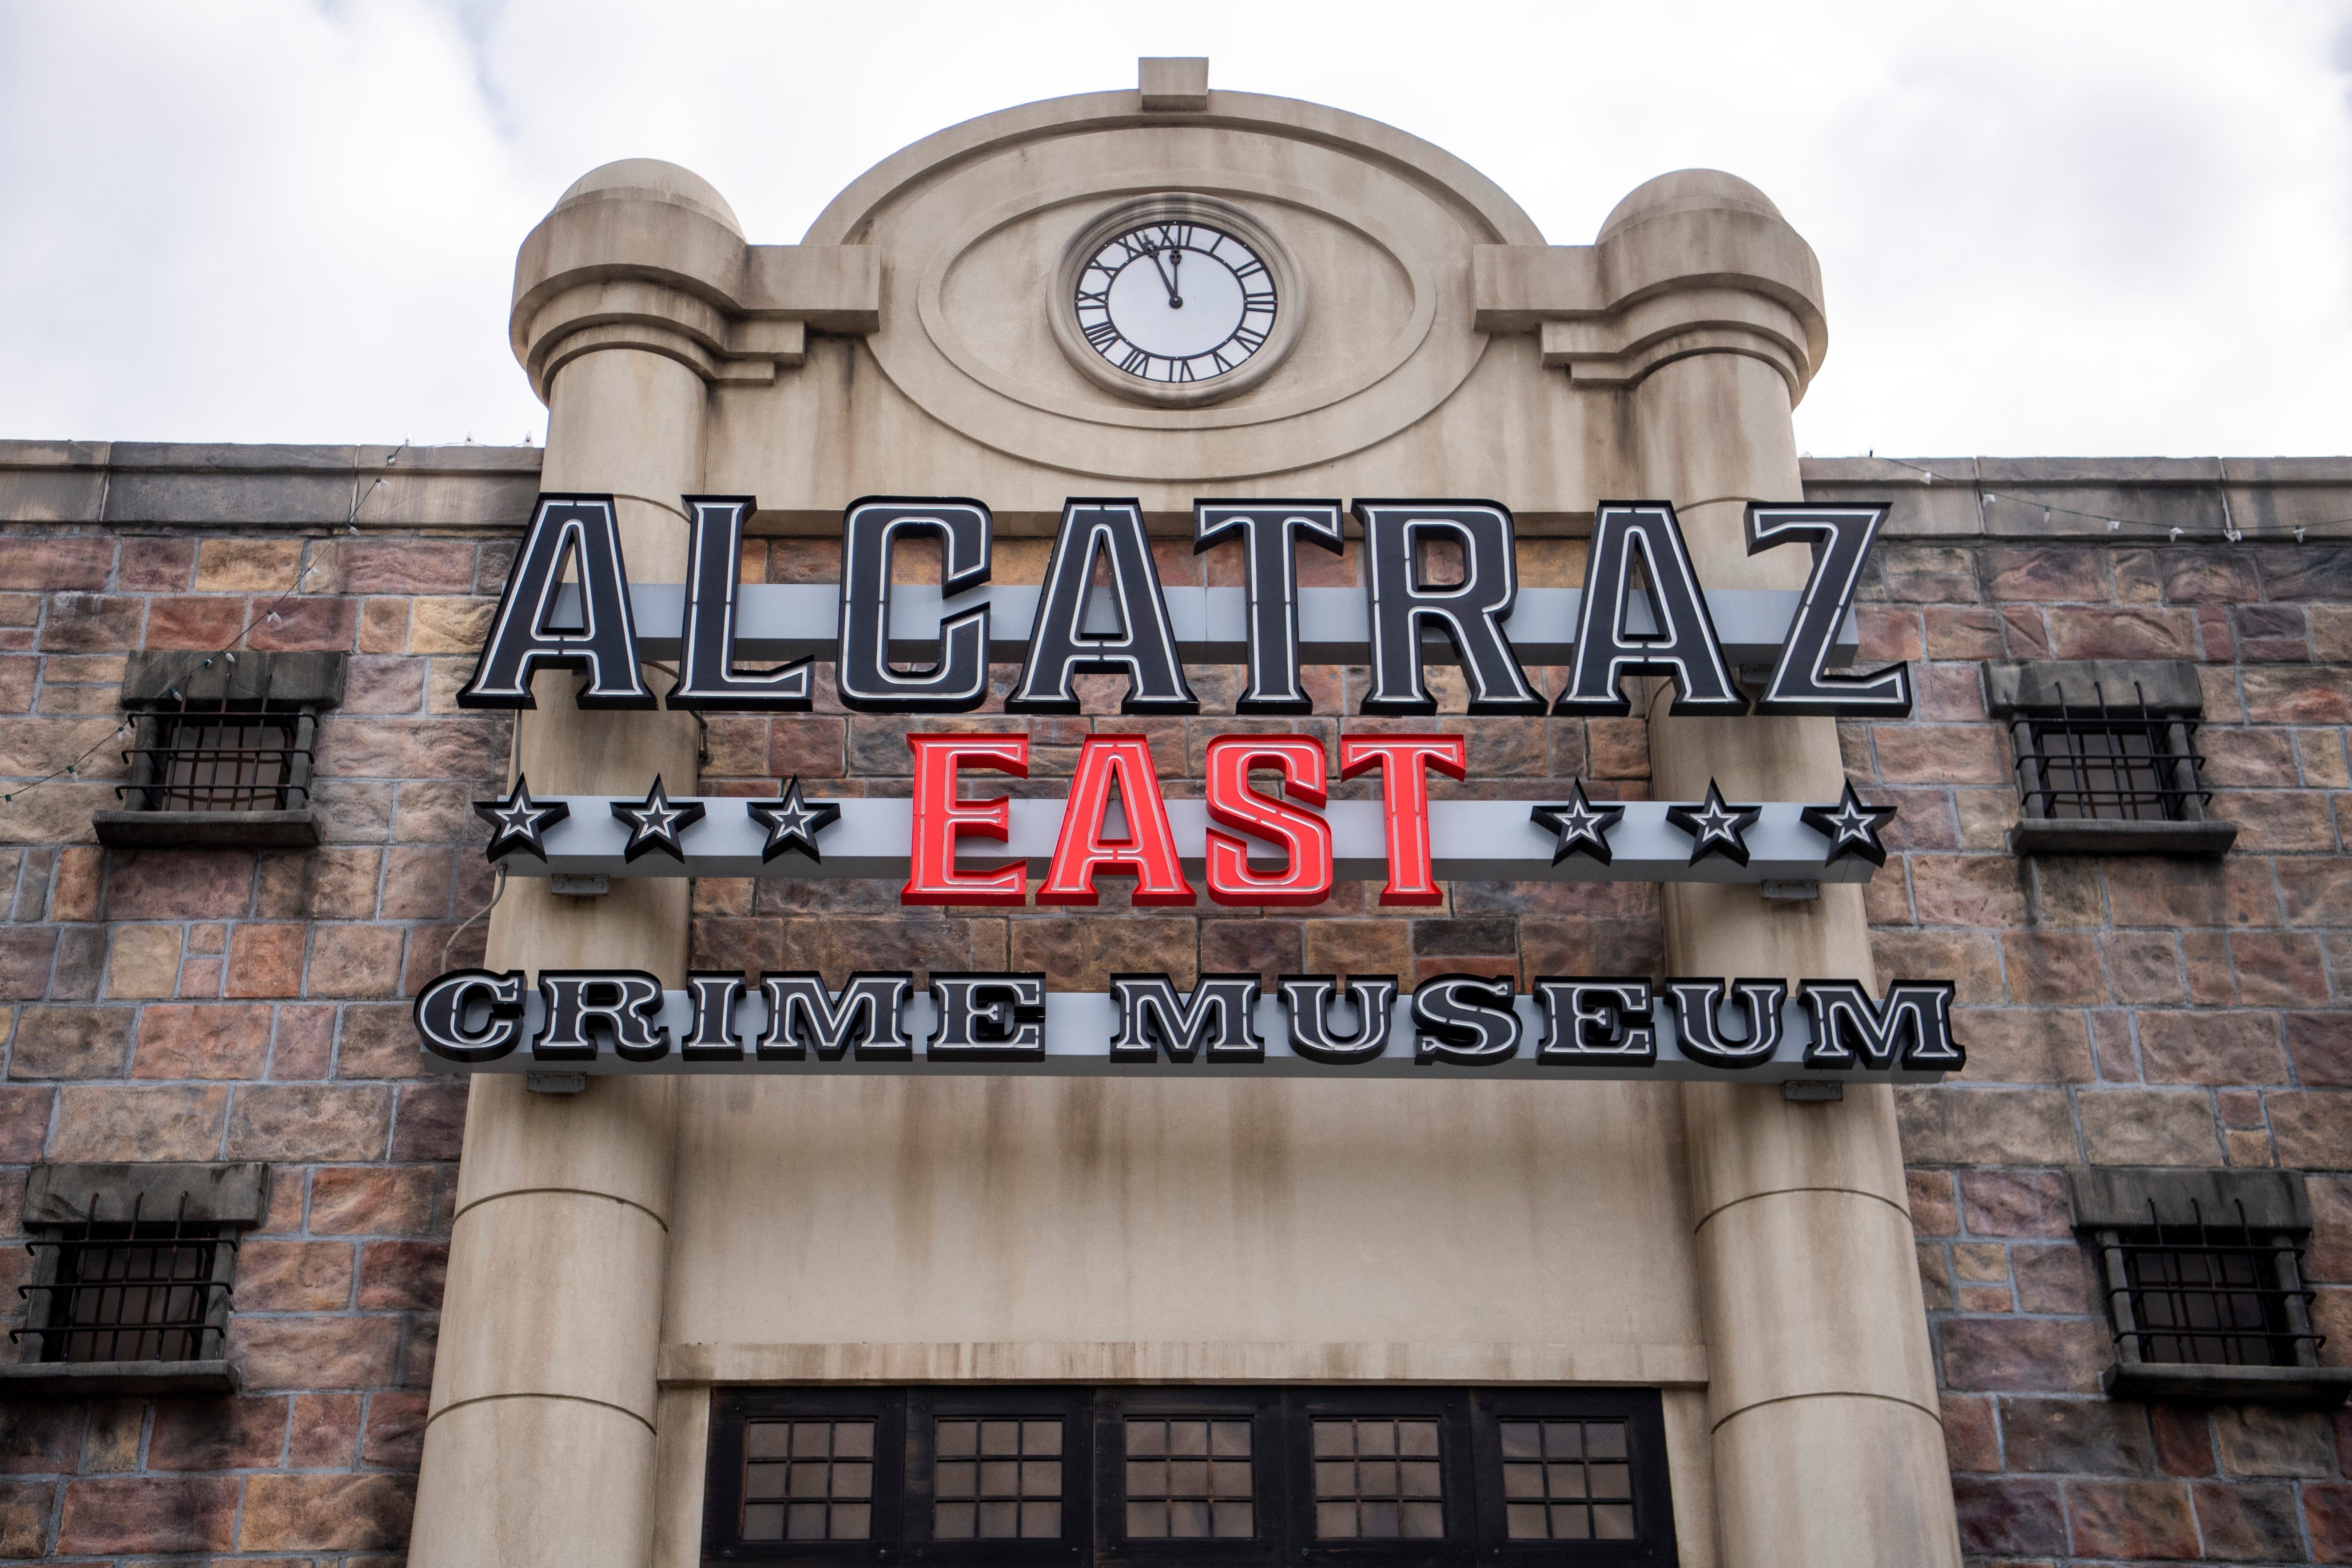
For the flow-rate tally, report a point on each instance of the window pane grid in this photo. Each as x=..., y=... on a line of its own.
x=1378, y=1477
x=1189, y=1478
x=808, y=1480
x=1566, y=1480
x=997, y=1479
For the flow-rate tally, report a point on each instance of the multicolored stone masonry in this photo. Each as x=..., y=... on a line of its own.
x=213, y=1004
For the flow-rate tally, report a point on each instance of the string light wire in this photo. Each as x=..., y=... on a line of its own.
x=2229, y=532
x=226, y=650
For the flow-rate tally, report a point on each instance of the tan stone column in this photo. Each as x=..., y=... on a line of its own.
x=539, y=1447
x=1828, y=1442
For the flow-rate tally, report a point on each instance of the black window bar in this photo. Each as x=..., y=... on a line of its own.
x=130, y=1290
x=2208, y=1295
x=221, y=754
x=2118, y=764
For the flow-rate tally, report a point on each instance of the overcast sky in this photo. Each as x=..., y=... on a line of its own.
x=2047, y=229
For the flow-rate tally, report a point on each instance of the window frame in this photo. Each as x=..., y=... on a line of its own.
x=2181, y=797
x=1270, y=1480
x=732, y=1413
x=2112, y=1206
x=927, y=1403
x=1645, y=1452
x=161, y=690
x=1282, y=1462
x=216, y=1201
x=2162, y=699
x=156, y=748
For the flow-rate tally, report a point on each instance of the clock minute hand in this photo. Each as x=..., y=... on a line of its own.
x=1175, y=280
x=1166, y=280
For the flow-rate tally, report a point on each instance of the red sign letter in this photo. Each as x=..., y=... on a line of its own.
x=940, y=816
x=1308, y=878
x=1149, y=850
x=1404, y=792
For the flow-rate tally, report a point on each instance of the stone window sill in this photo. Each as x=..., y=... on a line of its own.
x=80, y=1379
x=2321, y=1386
x=2074, y=836
x=207, y=829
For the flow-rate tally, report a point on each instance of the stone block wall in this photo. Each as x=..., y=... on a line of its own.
x=223, y=1005
x=2121, y=1011
x=231, y=1004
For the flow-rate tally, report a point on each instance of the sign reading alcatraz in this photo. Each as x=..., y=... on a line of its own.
x=569, y=604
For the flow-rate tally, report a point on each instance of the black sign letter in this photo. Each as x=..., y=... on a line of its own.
x=1698, y=1007
x=1468, y=1019
x=1310, y=998
x=707, y=678
x=442, y=1006
x=521, y=638
x=1143, y=648
x=1270, y=532
x=1470, y=614
x=1596, y=1022
x=1217, y=1015
x=1842, y=537
x=803, y=1016
x=869, y=532
x=988, y=1018
x=1684, y=646
x=1916, y=1016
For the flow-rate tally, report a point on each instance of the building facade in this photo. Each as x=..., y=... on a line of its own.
x=2085, y=1301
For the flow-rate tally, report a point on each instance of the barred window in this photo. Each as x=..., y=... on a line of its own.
x=221, y=758
x=1192, y=1475
x=133, y=1274
x=221, y=749
x=2202, y=1293
x=2107, y=757
x=2107, y=764
x=2201, y=1272
x=1566, y=1480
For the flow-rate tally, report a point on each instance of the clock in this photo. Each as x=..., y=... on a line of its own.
x=1176, y=300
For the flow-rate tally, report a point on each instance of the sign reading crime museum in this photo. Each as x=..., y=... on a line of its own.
x=1266, y=832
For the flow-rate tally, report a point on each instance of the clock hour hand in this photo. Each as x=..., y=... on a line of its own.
x=1167, y=279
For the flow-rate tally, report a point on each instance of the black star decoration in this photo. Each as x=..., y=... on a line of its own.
x=1852, y=827
x=517, y=821
x=1716, y=828
x=655, y=823
x=793, y=822
x=1583, y=827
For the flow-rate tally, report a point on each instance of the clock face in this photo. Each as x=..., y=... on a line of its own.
x=1175, y=302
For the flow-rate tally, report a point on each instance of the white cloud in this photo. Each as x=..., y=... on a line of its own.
x=2044, y=229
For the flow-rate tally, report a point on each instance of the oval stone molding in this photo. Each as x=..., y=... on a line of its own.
x=973, y=226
